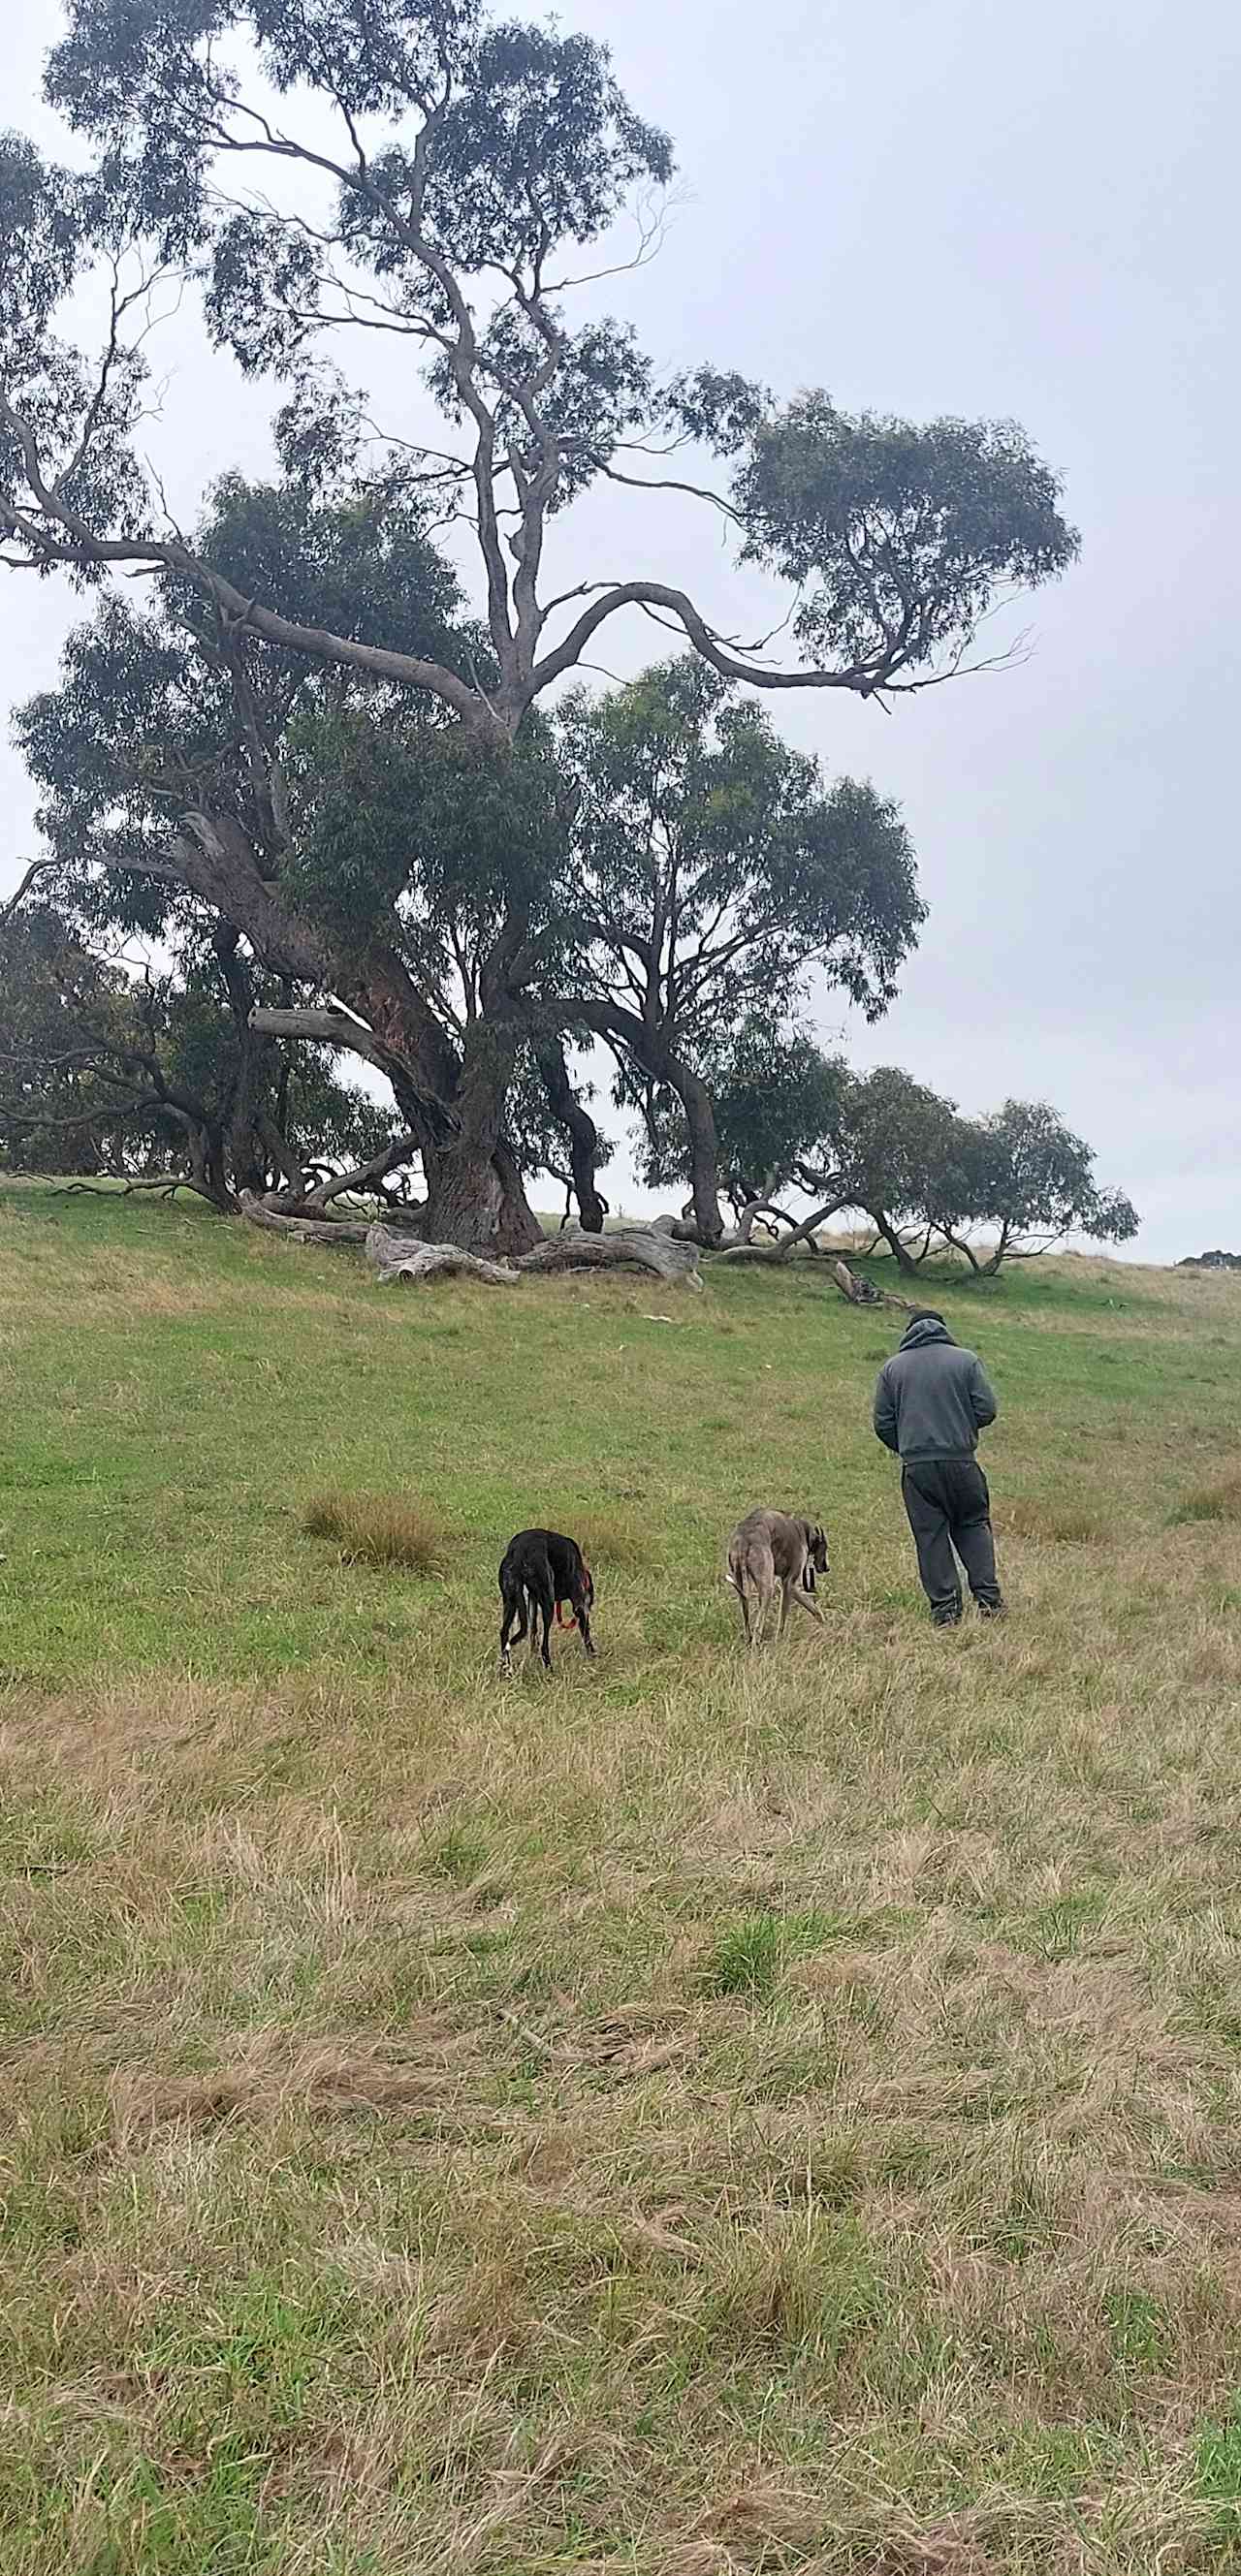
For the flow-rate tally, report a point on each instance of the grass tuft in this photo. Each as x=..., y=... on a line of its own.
x=1220, y=1501
x=376, y=1529
x=1058, y=1519
x=749, y=1957
x=1219, y=2470
x=624, y=1541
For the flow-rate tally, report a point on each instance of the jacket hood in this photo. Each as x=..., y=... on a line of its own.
x=924, y=1329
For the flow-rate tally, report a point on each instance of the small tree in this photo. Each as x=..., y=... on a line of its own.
x=1024, y=1174
x=65, y=1101
x=162, y=1076
x=775, y=1098
x=888, y=1144
x=788, y=1118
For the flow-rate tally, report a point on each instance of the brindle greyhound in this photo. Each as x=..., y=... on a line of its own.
x=769, y=1549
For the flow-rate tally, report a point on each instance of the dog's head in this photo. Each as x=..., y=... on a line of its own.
x=816, y=1551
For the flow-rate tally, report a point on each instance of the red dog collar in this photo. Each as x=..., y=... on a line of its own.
x=572, y=1623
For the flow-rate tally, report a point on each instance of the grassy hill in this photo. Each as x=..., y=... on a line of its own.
x=682, y=2118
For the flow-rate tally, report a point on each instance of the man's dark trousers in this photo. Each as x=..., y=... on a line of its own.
x=949, y=1507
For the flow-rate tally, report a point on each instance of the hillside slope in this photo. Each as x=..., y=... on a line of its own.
x=687, y=2115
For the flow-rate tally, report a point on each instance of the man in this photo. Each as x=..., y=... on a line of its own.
x=931, y=1401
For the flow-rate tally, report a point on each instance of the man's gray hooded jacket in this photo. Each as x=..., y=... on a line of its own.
x=932, y=1398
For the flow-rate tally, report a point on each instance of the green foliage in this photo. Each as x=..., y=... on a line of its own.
x=339, y=548
x=65, y=1018
x=1027, y=1174
x=890, y=1142
x=530, y=148
x=879, y=1142
x=713, y=869
x=100, y=1071
x=38, y=246
x=775, y=1097
x=713, y=859
x=400, y=816
x=899, y=538
x=455, y=149
x=908, y=1157
x=147, y=716
x=1219, y=2469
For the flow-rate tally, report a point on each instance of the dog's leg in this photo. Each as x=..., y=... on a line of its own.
x=583, y=1621
x=531, y=1607
x=765, y=1594
x=805, y=1601
x=546, y=1609
x=511, y=1611
x=735, y=1584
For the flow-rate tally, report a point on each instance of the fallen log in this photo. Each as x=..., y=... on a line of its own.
x=394, y=1256
x=637, y=1247
x=863, y=1292
x=773, y=1256
x=330, y=1231
x=401, y=1256
x=395, y=1253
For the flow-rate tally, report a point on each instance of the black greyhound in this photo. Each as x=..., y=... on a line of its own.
x=540, y=1570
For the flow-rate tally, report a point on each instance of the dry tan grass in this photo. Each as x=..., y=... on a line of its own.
x=1065, y=1522
x=624, y=1540
x=377, y=1529
x=1219, y=1500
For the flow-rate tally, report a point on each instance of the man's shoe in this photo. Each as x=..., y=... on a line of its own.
x=993, y=1609
x=946, y=1618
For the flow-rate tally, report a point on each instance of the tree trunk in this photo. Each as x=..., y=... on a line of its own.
x=862, y=1292
x=394, y=1256
x=453, y=1104
x=635, y=1247
x=581, y=1133
x=331, y=1232
x=475, y=1194
x=755, y=1208
x=658, y=1059
x=257, y=1069
x=476, y=1199
x=704, y=1151
x=907, y=1267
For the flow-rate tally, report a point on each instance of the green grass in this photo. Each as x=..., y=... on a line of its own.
x=695, y=2116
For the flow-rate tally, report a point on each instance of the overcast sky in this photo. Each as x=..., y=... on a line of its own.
x=951, y=206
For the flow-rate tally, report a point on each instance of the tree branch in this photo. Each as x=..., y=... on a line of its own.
x=36, y=869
